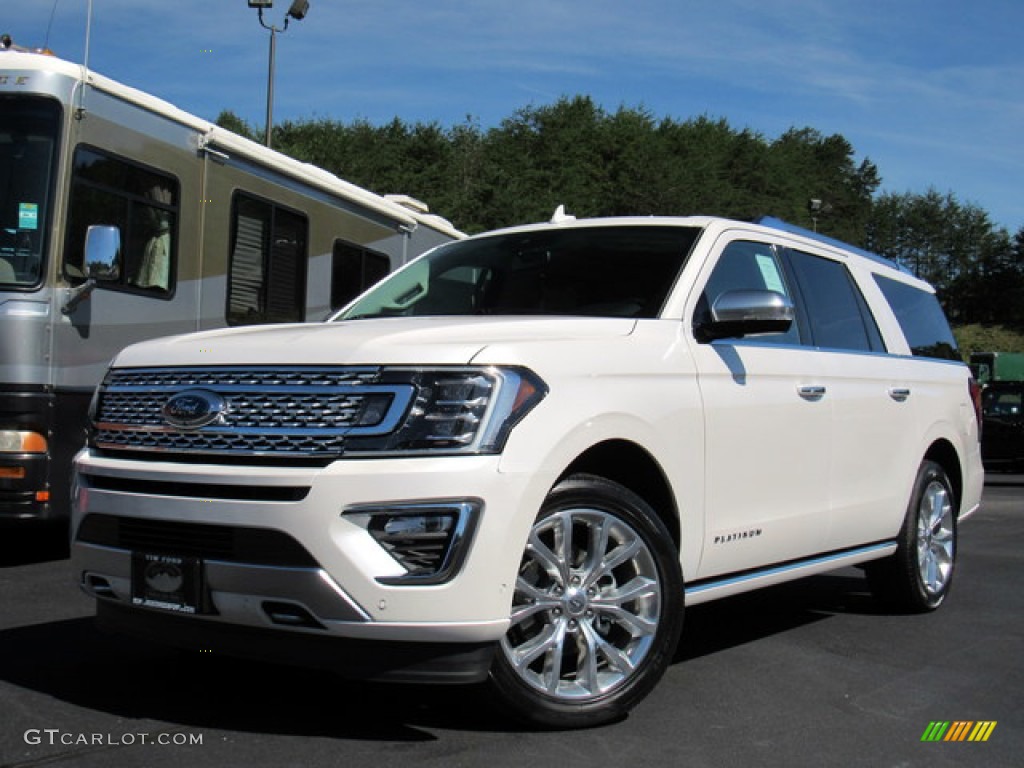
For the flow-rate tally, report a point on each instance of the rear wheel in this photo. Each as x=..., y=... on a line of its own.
x=920, y=573
x=597, y=609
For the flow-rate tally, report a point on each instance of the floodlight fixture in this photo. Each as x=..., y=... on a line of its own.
x=297, y=10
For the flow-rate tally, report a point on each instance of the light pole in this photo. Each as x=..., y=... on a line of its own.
x=297, y=11
x=817, y=208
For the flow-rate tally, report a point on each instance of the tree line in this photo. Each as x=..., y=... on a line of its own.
x=630, y=162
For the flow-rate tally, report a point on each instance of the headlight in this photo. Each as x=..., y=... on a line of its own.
x=456, y=410
x=18, y=441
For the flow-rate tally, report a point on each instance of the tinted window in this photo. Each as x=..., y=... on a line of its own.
x=267, y=272
x=29, y=129
x=353, y=270
x=836, y=311
x=747, y=265
x=921, y=318
x=590, y=271
x=141, y=202
x=999, y=401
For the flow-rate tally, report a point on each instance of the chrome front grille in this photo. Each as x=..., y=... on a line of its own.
x=320, y=410
x=244, y=377
x=279, y=412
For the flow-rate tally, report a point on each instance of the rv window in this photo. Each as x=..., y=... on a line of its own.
x=29, y=128
x=353, y=270
x=267, y=273
x=141, y=202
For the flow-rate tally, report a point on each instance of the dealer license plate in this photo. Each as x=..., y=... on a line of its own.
x=167, y=582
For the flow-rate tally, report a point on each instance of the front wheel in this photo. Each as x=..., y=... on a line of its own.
x=919, y=575
x=597, y=608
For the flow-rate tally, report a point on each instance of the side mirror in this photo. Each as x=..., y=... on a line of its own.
x=103, y=252
x=744, y=313
x=102, y=263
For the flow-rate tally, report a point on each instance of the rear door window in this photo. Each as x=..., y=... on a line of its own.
x=838, y=315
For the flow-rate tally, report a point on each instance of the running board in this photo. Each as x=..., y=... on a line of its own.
x=733, y=584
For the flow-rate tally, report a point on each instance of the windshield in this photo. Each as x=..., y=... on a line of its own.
x=28, y=147
x=612, y=271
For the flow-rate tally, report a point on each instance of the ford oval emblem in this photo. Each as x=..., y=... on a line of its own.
x=194, y=408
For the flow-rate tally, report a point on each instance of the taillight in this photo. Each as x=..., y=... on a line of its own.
x=975, y=391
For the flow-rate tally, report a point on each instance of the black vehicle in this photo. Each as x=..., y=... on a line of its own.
x=1002, y=436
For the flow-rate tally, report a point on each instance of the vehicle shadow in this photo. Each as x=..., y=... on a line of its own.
x=72, y=661
x=717, y=626
x=31, y=544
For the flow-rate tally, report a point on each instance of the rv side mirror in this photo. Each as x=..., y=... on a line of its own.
x=103, y=252
x=743, y=313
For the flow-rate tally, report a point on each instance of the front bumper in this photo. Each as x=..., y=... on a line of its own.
x=312, y=571
x=25, y=478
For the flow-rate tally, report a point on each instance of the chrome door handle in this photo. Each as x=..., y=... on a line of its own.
x=899, y=394
x=811, y=391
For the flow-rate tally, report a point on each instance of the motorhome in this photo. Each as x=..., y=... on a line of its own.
x=124, y=218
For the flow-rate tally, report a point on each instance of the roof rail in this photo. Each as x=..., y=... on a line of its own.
x=793, y=229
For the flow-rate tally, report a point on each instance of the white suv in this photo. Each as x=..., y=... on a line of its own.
x=520, y=456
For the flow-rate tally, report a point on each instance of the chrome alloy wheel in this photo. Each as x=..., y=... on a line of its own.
x=917, y=577
x=586, y=605
x=935, y=538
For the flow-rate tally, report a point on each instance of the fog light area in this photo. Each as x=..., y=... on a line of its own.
x=426, y=538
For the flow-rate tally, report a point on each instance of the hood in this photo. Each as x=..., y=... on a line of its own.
x=376, y=341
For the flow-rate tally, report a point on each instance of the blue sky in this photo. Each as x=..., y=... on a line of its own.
x=932, y=91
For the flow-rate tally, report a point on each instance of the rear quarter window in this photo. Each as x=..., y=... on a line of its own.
x=921, y=318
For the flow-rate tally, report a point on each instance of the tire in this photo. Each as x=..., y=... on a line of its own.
x=919, y=575
x=597, y=610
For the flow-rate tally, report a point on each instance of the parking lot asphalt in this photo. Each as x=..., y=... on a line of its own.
x=810, y=673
